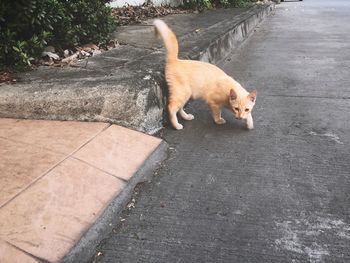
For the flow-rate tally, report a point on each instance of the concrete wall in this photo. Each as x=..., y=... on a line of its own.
x=120, y=3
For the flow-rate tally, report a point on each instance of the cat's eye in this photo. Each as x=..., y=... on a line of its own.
x=236, y=109
x=246, y=110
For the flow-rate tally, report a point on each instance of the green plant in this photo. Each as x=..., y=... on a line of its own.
x=83, y=22
x=27, y=26
x=25, y=30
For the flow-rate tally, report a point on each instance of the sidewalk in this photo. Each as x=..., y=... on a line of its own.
x=57, y=178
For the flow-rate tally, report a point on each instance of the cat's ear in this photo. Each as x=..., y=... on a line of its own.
x=252, y=95
x=233, y=95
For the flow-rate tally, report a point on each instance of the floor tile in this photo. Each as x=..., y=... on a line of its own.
x=6, y=121
x=20, y=165
x=118, y=151
x=60, y=136
x=49, y=217
x=10, y=254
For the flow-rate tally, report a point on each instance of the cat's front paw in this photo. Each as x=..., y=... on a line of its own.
x=250, y=127
x=179, y=126
x=189, y=117
x=220, y=121
x=250, y=124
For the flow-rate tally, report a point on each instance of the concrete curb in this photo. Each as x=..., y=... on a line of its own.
x=82, y=251
x=124, y=86
x=240, y=29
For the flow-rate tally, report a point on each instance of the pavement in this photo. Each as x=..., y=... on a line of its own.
x=278, y=193
x=126, y=86
x=57, y=178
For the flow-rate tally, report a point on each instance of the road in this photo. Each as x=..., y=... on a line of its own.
x=278, y=193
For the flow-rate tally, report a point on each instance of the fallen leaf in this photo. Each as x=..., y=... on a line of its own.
x=89, y=46
x=71, y=58
x=50, y=55
x=66, y=53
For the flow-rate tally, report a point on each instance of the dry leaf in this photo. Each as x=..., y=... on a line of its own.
x=50, y=55
x=66, y=53
x=69, y=59
x=89, y=47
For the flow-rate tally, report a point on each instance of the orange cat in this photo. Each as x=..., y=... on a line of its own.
x=199, y=80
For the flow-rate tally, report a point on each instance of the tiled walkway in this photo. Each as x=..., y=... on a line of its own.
x=56, y=178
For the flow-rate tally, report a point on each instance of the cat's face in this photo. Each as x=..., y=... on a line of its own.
x=242, y=106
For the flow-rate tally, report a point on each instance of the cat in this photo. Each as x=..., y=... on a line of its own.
x=200, y=80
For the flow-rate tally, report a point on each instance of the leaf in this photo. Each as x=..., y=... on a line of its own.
x=50, y=55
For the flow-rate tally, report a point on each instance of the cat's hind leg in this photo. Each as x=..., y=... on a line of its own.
x=185, y=116
x=179, y=95
x=173, y=107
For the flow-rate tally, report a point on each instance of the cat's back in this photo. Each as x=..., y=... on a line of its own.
x=199, y=67
x=197, y=76
x=193, y=72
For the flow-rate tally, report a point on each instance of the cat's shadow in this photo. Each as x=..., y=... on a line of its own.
x=203, y=119
x=203, y=122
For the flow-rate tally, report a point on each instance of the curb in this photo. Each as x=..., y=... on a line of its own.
x=82, y=251
x=241, y=28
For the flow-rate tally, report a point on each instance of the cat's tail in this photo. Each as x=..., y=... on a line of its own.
x=169, y=39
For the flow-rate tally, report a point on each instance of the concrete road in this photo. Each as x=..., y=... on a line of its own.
x=279, y=193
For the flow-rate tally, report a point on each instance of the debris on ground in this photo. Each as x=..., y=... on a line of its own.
x=125, y=16
x=7, y=77
x=131, y=204
x=69, y=57
x=136, y=14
